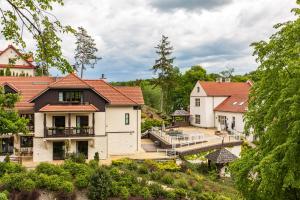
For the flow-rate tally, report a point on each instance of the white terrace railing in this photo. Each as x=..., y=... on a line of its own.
x=179, y=139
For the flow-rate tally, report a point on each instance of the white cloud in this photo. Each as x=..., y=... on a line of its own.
x=215, y=36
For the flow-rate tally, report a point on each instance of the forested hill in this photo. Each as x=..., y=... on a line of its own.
x=179, y=95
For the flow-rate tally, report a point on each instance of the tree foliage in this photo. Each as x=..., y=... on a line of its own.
x=85, y=52
x=10, y=122
x=34, y=17
x=167, y=74
x=272, y=170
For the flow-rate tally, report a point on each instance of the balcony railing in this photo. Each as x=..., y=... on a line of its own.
x=69, y=131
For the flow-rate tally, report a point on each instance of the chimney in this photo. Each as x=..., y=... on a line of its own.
x=102, y=76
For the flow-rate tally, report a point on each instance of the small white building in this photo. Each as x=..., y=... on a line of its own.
x=18, y=63
x=219, y=105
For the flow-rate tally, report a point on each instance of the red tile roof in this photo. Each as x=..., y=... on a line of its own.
x=134, y=93
x=32, y=87
x=68, y=108
x=234, y=104
x=28, y=88
x=237, y=95
x=225, y=88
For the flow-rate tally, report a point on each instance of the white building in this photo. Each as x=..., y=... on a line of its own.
x=73, y=115
x=219, y=105
x=18, y=63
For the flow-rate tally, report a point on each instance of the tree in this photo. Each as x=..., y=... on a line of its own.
x=7, y=72
x=34, y=17
x=100, y=184
x=167, y=74
x=85, y=52
x=271, y=170
x=10, y=122
x=227, y=73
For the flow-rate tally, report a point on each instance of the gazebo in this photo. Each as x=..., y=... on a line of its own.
x=180, y=118
x=221, y=158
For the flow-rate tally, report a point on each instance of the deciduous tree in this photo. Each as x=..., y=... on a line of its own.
x=271, y=170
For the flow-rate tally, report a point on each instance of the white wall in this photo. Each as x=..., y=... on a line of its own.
x=239, y=122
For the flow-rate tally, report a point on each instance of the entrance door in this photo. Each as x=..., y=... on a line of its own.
x=58, y=150
x=7, y=145
x=83, y=147
x=59, y=122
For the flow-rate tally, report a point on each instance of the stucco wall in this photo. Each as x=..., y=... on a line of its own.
x=239, y=122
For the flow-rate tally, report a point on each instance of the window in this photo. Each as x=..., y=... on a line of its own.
x=197, y=102
x=198, y=89
x=233, y=123
x=70, y=96
x=197, y=119
x=222, y=120
x=26, y=141
x=126, y=118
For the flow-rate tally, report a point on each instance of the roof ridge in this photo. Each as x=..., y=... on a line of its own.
x=18, y=52
x=63, y=78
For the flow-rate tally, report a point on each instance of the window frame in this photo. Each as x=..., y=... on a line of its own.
x=127, y=118
x=74, y=96
x=22, y=142
x=197, y=119
x=197, y=102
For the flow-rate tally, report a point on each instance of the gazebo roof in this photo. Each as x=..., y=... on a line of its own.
x=180, y=113
x=221, y=156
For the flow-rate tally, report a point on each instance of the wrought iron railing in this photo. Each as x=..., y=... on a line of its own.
x=69, y=131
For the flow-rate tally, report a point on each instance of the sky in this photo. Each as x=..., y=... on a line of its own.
x=212, y=33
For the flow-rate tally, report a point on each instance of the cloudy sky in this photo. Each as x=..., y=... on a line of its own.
x=212, y=33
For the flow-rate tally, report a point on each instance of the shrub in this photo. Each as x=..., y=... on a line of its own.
x=168, y=165
x=7, y=158
x=17, y=181
x=156, y=175
x=10, y=168
x=167, y=179
x=145, y=193
x=182, y=183
x=66, y=187
x=149, y=123
x=198, y=187
x=156, y=191
x=115, y=174
x=76, y=168
x=3, y=196
x=49, y=169
x=96, y=157
x=100, y=184
x=143, y=169
x=76, y=157
x=82, y=181
x=123, y=161
x=124, y=193
x=93, y=164
x=180, y=193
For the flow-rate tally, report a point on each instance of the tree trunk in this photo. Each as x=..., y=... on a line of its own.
x=161, y=100
x=81, y=73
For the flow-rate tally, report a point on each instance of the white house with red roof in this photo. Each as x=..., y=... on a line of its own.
x=219, y=105
x=72, y=115
x=18, y=63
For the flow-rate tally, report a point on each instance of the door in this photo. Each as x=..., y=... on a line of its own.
x=82, y=125
x=83, y=147
x=59, y=123
x=58, y=150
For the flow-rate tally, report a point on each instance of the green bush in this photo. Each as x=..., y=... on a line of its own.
x=7, y=158
x=100, y=184
x=66, y=187
x=180, y=193
x=182, y=183
x=10, y=168
x=124, y=193
x=3, y=196
x=76, y=157
x=96, y=157
x=145, y=193
x=167, y=179
x=149, y=123
x=115, y=174
x=82, y=181
x=167, y=166
x=143, y=169
x=156, y=191
x=18, y=181
x=50, y=169
x=76, y=168
x=156, y=175
x=198, y=187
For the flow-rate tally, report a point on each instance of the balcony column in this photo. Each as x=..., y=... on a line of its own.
x=69, y=123
x=93, y=123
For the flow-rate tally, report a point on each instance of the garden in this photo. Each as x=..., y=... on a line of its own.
x=123, y=179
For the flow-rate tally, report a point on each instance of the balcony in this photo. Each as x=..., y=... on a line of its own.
x=69, y=132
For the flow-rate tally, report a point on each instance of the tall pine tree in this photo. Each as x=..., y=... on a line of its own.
x=85, y=52
x=166, y=72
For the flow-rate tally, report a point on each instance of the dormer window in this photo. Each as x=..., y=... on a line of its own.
x=70, y=96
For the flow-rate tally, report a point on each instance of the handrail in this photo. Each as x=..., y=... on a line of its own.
x=69, y=131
